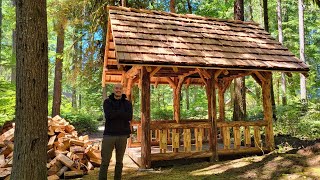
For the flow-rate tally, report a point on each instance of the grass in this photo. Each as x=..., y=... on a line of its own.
x=289, y=165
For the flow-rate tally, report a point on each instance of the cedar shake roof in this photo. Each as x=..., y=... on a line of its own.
x=147, y=37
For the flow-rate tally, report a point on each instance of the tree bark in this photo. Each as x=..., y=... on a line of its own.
x=239, y=106
x=189, y=7
x=280, y=35
x=57, y=90
x=266, y=27
x=14, y=49
x=75, y=70
x=265, y=15
x=172, y=6
x=239, y=10
x=124, y=3
x=30, y=152
x=187, y=98
x=0, y=29
x=250, y=10
x=302, y=55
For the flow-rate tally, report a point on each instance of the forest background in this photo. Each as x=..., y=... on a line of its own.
x=76, y=34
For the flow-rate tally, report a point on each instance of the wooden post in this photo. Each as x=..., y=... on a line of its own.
x=145, y=119
x=212, y=113
x=129, y=89
x=267, y=109
x=221, y=104
x=176, y=99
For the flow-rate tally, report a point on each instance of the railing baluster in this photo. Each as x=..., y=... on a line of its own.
x=257, y=137
x=187, y=140
x=163, y=141
x=198, y=138
x=175, y=140
x=226, y=137
x=139, y=130
x=237, y=137
x=247, y=136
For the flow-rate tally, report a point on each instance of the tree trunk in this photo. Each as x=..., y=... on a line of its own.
x=31, y=138
x=172, y=6
x=250, y=10
x=283, y=77
x=302, y=56
x=239, y=106
x=265, y=15
x=266, y=27
x=189, y=7
x=187, y=98
x=239, y=10
x=124, y=3
x=13, y=68
x=57, y=90
x=0, y=29
x=75, y=70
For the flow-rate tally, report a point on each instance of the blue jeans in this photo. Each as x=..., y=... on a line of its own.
x=108, y=143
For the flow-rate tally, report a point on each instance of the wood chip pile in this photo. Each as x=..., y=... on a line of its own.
x=69, y=155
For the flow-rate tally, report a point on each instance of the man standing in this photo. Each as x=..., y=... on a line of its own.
x=118, y=113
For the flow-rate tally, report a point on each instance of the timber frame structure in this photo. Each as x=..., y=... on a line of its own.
x=148, y=47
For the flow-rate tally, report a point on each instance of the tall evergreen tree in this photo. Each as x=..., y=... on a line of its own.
x=239, y=106
x=30, y=136
x=303, y=89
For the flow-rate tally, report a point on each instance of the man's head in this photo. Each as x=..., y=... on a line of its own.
x=117, y=90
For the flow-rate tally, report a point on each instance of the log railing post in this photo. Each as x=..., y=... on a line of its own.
x=145, y=119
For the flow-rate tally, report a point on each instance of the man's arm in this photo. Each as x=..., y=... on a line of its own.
x=107, y=108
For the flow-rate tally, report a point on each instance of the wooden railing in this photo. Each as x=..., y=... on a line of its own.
x=191, y=135
x=238, y=134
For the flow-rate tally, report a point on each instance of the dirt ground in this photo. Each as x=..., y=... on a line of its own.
x=293, y=159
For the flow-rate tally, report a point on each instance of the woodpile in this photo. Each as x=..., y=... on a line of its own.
x=69, y=155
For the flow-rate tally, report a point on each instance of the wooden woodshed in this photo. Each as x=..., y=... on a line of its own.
x=147, y=47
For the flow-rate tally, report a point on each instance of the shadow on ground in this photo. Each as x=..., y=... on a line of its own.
x=287, y=162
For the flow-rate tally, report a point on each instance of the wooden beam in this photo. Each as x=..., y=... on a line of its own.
x=188, y=82
x=133, y=71
x=175, y=69
x=267, y=110
x=204, y=80
x=176, y=99
x=145, y=119
x=149, y=68
x=170, y=81
x=255, y=77
x=155, y=71
x=225, y=72
x=217, y=73
x=129, y=89
x=105, y=59
x=156, y=83
x=260, y=76
x=204, y=73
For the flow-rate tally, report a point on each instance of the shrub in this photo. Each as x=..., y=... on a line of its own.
x=84, y=123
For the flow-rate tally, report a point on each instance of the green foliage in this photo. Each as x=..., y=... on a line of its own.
x=83, y=121
x=7, y=101
x=294, y=119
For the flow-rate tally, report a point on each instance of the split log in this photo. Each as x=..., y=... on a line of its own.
x=65, y=160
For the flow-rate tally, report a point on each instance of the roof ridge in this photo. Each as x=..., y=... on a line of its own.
x=191, y=16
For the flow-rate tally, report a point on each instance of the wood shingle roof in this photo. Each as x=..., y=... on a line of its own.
x=159, y=38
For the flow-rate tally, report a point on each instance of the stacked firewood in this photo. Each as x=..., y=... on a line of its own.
x=69, y=155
